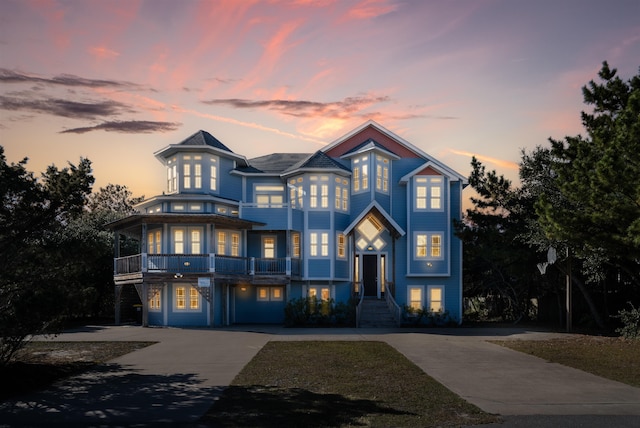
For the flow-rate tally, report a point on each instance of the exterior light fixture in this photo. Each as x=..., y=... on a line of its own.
x=187, y=264
x=429, y=264
x=243, y=288
x=177, y=275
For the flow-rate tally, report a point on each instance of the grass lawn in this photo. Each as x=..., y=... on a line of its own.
x=40, y=363
x=338, y=384
x=610, y=357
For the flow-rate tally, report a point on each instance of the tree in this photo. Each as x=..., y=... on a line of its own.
x=92, y=245
x=498, y=267
x=598, y=178
x=35, y=291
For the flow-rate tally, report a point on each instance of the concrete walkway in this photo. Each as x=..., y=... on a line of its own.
x=176, y=380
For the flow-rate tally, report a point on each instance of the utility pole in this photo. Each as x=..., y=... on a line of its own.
x=569, y=300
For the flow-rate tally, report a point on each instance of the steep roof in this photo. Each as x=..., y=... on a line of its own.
x=318, y=160
x=203, y=138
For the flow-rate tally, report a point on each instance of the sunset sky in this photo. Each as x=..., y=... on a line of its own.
x=115, y=81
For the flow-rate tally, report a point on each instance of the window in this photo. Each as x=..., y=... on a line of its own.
x=187, y=239
x=360, y=168
x=213, y=174
x=263, y=294
x=365, y=173
x=341, y=246
x=435, y=187
x=269, y=196
x=192, y=171
x=178, y=241
x=195, y=241
x=296, y=192
x=268, y=247
x=318, y=244
x=154, y=302
x=313, y=196
x=415, y=297
x=194, y=298
x=436, y=299
x=235, y=244
x=421, y=193
x=295, y=246
x=382, y=174
x=172, y=176
x=273, y=294
x=222, y=243
x=181, y=298
x=342, y=194
x=154, y=244
x=428, y=245
x=319, y=193
x=428, y=193
x=436, y=246
x=277, y=294
x=318, y=292
x=356, y=177
x=228, y=243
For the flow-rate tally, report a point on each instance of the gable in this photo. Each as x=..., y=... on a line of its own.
x=428, y=171
x=370, y=132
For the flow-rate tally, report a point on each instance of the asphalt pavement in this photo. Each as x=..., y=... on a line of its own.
x=175, y=381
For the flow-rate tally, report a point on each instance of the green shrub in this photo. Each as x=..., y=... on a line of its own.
x=631, y=322
x=311, y=311
x=424, y=317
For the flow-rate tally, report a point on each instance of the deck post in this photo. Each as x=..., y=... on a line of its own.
x=118, y=295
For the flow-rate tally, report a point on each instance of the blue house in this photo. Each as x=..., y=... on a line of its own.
x=231, y=240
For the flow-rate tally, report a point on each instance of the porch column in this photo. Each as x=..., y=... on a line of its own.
x=145, y=304
x=212, y=301
x=118, y=295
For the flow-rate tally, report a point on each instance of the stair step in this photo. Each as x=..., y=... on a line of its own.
x=375, y=314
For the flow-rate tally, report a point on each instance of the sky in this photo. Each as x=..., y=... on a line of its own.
x=115, y=81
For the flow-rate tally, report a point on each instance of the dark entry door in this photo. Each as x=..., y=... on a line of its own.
x=370, y=275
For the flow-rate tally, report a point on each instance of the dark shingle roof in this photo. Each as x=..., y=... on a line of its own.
x=276, y=162
x=203, y=138
x=318, y=160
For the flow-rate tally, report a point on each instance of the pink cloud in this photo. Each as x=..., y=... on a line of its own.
x=102, y=52
x=368, y=9
x=495, y=161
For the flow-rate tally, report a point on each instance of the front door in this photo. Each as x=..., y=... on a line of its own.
x=370, y=275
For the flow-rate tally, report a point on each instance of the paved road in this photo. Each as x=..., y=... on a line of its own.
x=175, y=381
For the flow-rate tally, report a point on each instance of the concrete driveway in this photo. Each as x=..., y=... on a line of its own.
x=176, y=380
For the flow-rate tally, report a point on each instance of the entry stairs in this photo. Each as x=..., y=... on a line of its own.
x=375, y=314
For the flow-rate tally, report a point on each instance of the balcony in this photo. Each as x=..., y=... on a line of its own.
x=205, y=263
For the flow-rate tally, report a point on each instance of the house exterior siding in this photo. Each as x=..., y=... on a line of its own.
x=232, y=240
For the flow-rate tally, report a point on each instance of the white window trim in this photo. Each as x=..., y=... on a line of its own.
x=422, y=296
x=429, y=235
x=187, y=298
x=442, y=303
x=428, y=193
x=319, y=244
x=275, y=246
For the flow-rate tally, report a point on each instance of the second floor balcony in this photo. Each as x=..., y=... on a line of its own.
x=205, y=263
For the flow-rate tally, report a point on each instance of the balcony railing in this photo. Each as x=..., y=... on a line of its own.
x=209, y=263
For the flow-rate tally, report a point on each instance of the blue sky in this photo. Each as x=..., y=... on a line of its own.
x=115, y=81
